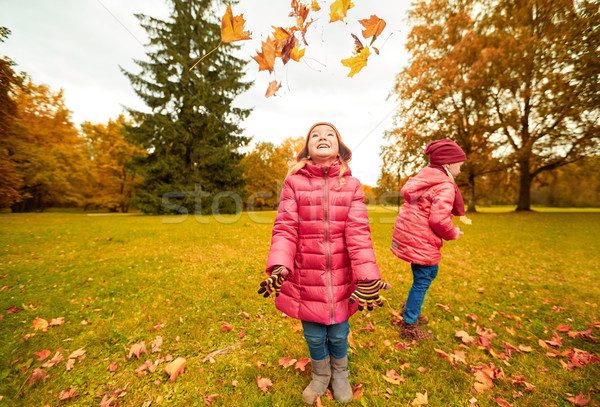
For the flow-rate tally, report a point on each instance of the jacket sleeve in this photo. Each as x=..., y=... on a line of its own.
x=440, y=216
x=358, y=240
x=285, y=231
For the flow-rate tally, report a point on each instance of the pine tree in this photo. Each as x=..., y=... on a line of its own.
x=192, y=133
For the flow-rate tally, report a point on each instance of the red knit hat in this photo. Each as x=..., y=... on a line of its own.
x=344, y=152
x=444, y=151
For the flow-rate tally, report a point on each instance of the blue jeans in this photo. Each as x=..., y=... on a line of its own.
x=422, y=278
x=324, y=340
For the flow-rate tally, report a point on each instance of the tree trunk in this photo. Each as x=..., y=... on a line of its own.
x=524, y=202
x=471, y=199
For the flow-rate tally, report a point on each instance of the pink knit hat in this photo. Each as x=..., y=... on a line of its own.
x=444, y=151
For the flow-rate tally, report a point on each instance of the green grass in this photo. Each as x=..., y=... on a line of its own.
x=123, y=275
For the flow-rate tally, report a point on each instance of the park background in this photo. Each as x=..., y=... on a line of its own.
x=96, y=304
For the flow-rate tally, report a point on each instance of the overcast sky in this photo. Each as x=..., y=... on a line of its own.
x=78, y=45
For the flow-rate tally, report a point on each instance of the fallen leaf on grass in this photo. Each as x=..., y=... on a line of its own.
x=579, y=400
x=466, y=338
x=70, y=363
x=137, y=349
x=156, y=344
x=42, y=354
x=563, y=328
x=39, y=323
x=301, y=364
x=444, y=307
x=420, y=400
x=209, y=399
x=287, y=361
x=68, y=394
x=113, y=367
x=57, y=321
x=56, y=359
x=77, y=354
x=175, y=368
x=393, y=377
x=263, y=383
x=556, y=340
x=357, y=391
x=502, y=402
x=37, y=375
x=226, y=326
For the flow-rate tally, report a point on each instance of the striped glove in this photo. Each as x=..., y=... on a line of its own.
x=367, y=294
x=273, y=282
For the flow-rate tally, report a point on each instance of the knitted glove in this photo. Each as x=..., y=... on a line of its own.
x=273, y=282
x=368, y=293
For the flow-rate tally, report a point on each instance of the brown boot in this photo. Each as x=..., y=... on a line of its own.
x=421, y=319
x=413, y=332
x=342, y=391
x=321, y=374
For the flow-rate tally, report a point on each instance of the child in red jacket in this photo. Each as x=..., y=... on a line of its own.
x=431, y=199
x=321, y=263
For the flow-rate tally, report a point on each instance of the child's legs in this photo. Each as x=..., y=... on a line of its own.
x=315, y=335
x=337, y=339
x=323, y=340
x=422, y=278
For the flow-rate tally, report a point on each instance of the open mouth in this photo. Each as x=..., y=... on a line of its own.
x=320, y=146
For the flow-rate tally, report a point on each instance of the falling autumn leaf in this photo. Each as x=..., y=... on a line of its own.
x=273, y=88
x=266, y=58
x=175, y=368
x=232, y=28
x=373, y=26
x=263, y=383
x=357, y=62
x=358, y=46
x=339, y=9
x=137, y=349
x=314, y=6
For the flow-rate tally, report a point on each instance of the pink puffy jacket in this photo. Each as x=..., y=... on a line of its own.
x=322, y=236
x=425, y=218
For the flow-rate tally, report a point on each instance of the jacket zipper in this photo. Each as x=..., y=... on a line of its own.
x=327, y=246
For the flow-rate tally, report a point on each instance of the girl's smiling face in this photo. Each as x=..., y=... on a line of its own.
x=323, y=145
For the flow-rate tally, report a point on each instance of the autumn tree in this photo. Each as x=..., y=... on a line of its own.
x=48, y=151
x=113, y=183
x=504, y=79
x=11, y=181
x=192, y=133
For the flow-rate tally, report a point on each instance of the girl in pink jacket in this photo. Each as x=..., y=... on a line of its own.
x=321, y=264
x=431, y=198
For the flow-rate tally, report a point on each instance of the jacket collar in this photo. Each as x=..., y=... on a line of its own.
x=312, y=170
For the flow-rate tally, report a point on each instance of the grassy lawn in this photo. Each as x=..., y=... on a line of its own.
x=512, y=283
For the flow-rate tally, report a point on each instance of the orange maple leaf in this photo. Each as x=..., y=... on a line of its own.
x=174, y=368
x=263, y=383
x=301, y=364
x=373, y=26
x=232, y=28
x=579, y=400
x=226, y=326
x=42, y=354
x=314, y=6
x=393, y=377
x=357, y=62
x=266, y=58
x=339, y=9
x=286, y=361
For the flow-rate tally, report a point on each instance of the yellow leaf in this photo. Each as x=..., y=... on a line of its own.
x=420, y=400
x=339, y=9
x=373, y=26
x=266, y=58
x=357, y=62
x=315, y=6
x=232, y=28
x=297, y=53
x=39, y=323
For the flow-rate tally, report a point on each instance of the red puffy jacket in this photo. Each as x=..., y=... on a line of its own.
x=322, y=236
x=425, y=218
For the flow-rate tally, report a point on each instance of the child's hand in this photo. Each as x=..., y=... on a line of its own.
x=368, y=293
x=460, y=232
x=274, y=282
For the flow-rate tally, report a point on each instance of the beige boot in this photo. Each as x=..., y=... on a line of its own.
x=321, y=374
x=339, y=380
